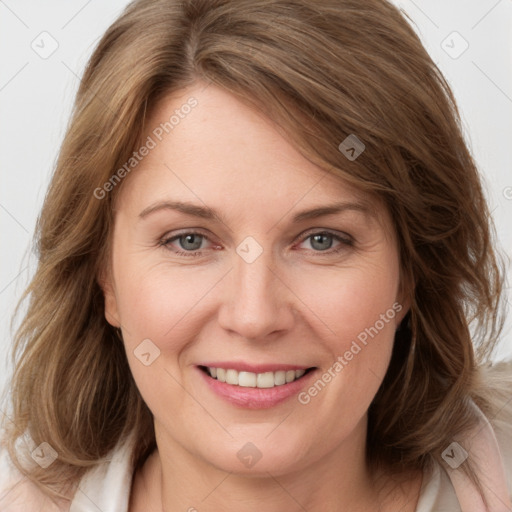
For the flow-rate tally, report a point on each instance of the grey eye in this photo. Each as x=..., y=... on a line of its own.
x=190, y=241
x=321, y=241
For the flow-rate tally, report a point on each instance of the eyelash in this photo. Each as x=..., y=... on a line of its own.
x=344, y=242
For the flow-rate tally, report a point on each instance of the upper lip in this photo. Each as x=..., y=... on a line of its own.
x=241, y=366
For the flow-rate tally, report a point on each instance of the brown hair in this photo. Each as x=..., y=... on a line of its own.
x=321, y=70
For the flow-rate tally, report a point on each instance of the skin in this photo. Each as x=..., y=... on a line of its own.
x=297, y=303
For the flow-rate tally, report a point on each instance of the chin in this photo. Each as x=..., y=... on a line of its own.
x=257, y=458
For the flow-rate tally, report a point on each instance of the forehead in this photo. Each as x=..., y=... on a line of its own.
x=226, y=155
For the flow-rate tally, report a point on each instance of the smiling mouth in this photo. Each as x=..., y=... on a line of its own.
x=263, y=380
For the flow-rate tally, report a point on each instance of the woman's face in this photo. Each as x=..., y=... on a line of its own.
x=232, y=251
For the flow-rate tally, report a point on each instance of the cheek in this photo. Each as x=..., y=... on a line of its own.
x=157, y=308
x=358, y=312
x=350, y=302
x=162, y=304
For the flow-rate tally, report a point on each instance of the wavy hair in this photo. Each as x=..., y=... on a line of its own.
x=321, y=71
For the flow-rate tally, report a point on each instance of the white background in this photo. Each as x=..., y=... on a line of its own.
x=36, y=95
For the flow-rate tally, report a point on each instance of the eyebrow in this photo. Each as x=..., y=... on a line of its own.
x=205, y=212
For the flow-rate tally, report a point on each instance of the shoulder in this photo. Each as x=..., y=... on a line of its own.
x=498, y=380
x=444, y=488
x=24, y=496
x=107, y=484
x=18, y=494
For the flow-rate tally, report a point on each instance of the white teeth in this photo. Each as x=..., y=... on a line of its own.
x=279, y=378
x=247, y=379
x=255, y=380
x=265, y=380
x=290, y=376
x=232, y=377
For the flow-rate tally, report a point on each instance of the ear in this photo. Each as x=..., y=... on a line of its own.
x=405, y=295
x=402, y=308
x=402, y=305
x=109, y=293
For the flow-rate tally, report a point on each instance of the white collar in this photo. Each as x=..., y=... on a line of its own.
x=107, y=487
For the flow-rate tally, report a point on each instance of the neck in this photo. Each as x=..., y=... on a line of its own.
x=173, y=479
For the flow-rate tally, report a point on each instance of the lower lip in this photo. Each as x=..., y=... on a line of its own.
x=256, y=398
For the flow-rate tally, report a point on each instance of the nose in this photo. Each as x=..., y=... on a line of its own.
x=257, y=303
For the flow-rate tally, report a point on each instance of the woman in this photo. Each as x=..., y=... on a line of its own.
x=265, y=258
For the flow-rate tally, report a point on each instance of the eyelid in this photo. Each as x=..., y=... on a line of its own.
x=343, y=238
x=168, y=237
x=304, y=235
